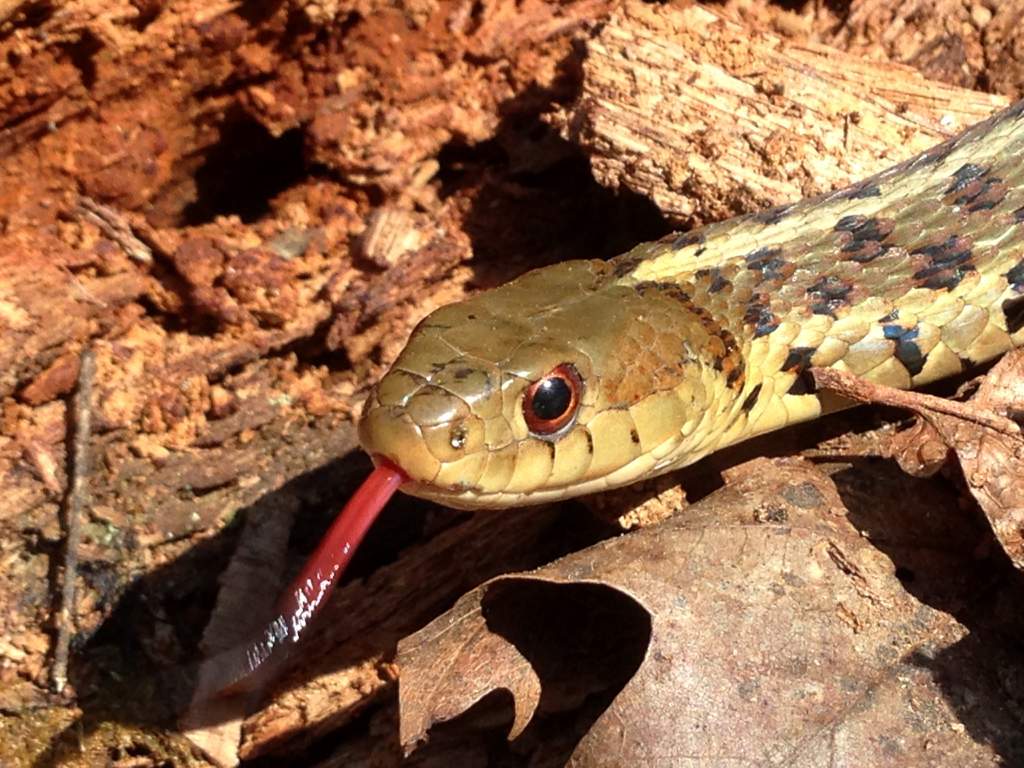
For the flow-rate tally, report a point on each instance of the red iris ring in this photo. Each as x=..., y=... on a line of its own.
x=551, y=402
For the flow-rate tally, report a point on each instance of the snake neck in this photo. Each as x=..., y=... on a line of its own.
x=907, y=277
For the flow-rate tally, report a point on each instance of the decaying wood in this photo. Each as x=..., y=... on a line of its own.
x=278, y=193
x=948, y=48
x=709, y=119
x=114, y=227
x=860, y=390
x=229, y=160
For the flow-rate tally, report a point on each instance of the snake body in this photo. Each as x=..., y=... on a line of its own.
x=698, y=341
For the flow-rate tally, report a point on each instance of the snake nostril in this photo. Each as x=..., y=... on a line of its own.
x=458, y=437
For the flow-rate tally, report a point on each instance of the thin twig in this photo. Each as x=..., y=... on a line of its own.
x=113, y=225
x=74, y=501
x=855, y=388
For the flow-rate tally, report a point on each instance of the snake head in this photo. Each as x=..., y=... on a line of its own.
x=565, y=381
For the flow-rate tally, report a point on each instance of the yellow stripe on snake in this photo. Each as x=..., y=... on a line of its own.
x=589, y=375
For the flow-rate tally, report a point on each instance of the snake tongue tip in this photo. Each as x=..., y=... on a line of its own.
x=249, y=666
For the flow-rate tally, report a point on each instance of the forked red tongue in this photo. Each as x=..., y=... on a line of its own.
x=325, y=566
x=236, y=670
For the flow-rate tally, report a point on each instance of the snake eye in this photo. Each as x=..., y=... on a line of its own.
x=551, y=402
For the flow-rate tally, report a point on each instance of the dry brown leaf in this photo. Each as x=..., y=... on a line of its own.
x=987, y=443
x=476, y=662
x=994, y=468
x=773, y=633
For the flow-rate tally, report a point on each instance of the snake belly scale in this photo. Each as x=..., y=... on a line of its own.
x=589, y=375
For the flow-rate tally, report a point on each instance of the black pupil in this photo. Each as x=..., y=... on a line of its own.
x=551, y=399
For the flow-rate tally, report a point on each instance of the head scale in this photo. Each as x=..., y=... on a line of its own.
x=565, y=381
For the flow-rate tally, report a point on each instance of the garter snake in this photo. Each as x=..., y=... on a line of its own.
x=589, y=375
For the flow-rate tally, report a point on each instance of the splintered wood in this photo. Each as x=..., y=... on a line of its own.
x=710, y=119
x=246, y=234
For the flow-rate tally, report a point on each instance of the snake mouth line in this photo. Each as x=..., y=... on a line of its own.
x=426, y=488
x=472, y=496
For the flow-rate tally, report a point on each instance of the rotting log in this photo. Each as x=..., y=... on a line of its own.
x=252, y=150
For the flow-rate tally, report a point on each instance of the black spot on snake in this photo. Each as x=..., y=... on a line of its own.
x=625, y=264
x=772, y=216
x=933, y=156
x=976, y=189
x=862, y=238
x=1018, y=215
x=864, y=228
x=828, y=294
x=964, y=175
x=634, y=436
x=799, y=359
x=936, y=278
x=687, y=239
x=894, y=315
x=907, y=351
x=590, y=441
x=1013, y=311
x=850, y=223
x=910, y=355
x=769, y=262
x=671, y=290
x=862, y=190
x=948, y=263
x=760, y=315
x=718, y=281
x=966, y=362
x=461, y=374
x=751, y=400
x=1015, y=276
x=803, y=384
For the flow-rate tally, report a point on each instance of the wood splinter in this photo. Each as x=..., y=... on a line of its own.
x=114, y=226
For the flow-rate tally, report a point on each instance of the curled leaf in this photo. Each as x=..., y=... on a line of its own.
x=758, y=626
